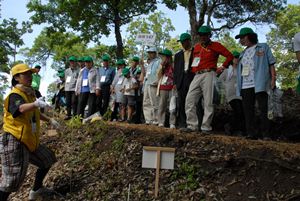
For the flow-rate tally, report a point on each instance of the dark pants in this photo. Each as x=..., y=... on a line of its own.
x=138, y=109
x=114, y=114
x=103, y=99
x=237, y=122
x=72, y=101
x=84, y=99
x=249, y=97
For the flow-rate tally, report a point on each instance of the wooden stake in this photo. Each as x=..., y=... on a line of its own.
x=157, y=173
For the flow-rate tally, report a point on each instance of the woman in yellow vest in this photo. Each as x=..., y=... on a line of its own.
x=19, y=144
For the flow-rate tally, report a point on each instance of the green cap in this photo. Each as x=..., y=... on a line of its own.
x=236, y=54
x=166, y=52
x=139, y=70
x=88, y=59
x=72, y=58
x=61, y=74
x=125, y=71
x=245, y=31
x=184, y=36
x=121, y=62
x=80, y=59
x=37, y=66
x=105, y=57
x=204, y=30
x=135, y=58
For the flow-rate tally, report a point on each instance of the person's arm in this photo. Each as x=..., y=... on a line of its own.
x=273, y=76
x=224, y=52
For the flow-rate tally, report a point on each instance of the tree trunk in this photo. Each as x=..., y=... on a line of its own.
x=118, y=35
x=193, y=19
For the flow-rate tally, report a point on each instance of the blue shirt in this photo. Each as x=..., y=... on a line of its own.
x=85, y=75
x=109, y=74
x=263, y=58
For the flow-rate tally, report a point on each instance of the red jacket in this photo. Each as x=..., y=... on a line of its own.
x=168, y=72
x=209, y=56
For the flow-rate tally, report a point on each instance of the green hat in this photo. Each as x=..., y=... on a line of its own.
x=125, y=71
x=184, y=36
x=135, y=58
x=88, y=59
x=245, y=31
x=204, y=30
x=236, y=53
x=80, y=59
x=105, y=57
x=121, y=62
x=61, y=74
x=166, y=52
x=37, y=66
x=139, y=70
x=72, y=58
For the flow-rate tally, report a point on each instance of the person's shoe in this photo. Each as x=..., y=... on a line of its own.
x=187, y=130
x=147, y=122
x=251, y=137
x=40, y=193
x=67, y=118
x=160, y=125
x=121, y=120
x=206, y=132
x=155, y=122
x=172, y=126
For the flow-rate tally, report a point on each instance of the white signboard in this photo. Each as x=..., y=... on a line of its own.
x=150, y=158
x=145, y=39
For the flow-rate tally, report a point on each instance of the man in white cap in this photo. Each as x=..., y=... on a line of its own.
x=150, y=103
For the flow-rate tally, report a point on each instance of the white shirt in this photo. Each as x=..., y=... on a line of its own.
x=127, y=84
x=248, y=68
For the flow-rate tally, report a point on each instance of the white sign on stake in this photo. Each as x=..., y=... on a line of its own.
x=145, y=39
x=159, y=158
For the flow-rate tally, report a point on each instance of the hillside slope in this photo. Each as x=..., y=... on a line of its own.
x=99, y=161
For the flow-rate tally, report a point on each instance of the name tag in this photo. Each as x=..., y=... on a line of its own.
x=120, y=81
x=246, y=70
x=196, y=62
x=68, y=79
x=164, y=80
x=33, y=127
x=103, y=78
x=85, y=82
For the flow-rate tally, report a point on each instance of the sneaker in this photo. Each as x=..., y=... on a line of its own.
x=155, y=122
x=206, y=132
x=160, y=125
x=42, y=192
x=172, y=126
x=187, y=130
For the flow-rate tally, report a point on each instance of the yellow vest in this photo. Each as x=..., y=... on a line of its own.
x=21, y=127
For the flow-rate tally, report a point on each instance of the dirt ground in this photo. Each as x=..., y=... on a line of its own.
x=100, y=161
x=103, y=161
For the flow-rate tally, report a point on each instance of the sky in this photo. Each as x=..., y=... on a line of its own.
x=17, y=9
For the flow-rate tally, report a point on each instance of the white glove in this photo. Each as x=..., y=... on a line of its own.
x=40, y=102
x=54, y=123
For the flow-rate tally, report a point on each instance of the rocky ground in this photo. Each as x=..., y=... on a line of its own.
x=100, y=160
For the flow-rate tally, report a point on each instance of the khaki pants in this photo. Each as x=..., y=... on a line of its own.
x=202, y=85
x=164, y=102
x=150, y=104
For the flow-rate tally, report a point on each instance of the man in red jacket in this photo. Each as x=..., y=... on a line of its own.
x=204, y=65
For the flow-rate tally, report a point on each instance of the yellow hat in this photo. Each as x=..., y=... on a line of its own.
x=21, y=68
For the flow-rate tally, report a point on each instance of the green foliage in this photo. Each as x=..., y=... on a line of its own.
x=90, y=18
x=107, y=115
x=227, y=13
x=75, y=122
x=173, y=45
x=287, y=24
x=188, y=173
x=118, y=144
x=10, y=40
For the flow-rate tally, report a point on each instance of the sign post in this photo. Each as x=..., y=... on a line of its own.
x=145, y=39
x=159, y=158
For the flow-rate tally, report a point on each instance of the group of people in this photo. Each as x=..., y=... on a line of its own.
x=187, y=82
x=146, y=90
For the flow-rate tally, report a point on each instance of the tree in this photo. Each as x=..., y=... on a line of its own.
x=287, y=24
x=156, y=23
x=227, y=13
x=173, y=45
x=90, y=18
x=10, y=40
